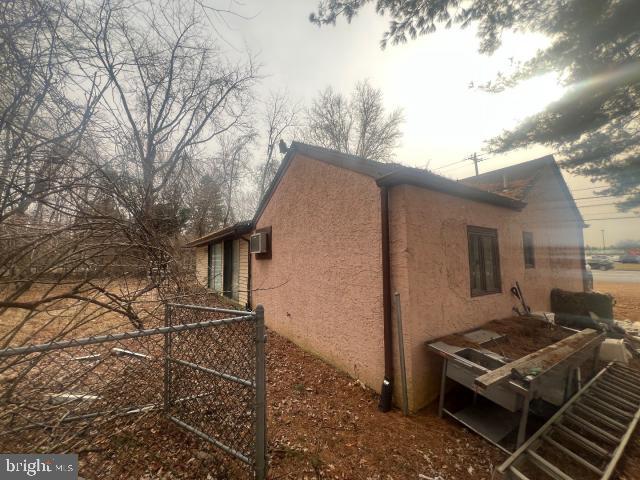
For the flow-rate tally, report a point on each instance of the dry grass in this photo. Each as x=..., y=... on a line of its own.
x=627, y=266
x=627, y=297
x=71, y=318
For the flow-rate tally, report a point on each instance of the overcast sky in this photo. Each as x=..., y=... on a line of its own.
x=429, y=78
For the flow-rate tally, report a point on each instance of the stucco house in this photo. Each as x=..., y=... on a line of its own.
x=342, y=234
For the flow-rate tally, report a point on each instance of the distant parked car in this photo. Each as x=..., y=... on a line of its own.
x=630, y=259
x=601, y=262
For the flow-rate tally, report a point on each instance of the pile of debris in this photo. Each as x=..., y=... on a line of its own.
x=554, y=389
x=594, y=310
x=585, y=310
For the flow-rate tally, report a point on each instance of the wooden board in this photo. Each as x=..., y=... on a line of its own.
x=544, y=359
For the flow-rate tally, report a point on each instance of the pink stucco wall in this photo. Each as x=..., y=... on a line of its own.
x=322, y=287
x=430, y=260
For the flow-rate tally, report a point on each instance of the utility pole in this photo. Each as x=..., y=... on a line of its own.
x=603, y=245
x=474, y=158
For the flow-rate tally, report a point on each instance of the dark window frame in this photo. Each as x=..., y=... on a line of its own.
x=491, y=233
x=528, y=250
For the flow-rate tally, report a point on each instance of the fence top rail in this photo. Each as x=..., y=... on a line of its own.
x=43, y=347
x=211, y=309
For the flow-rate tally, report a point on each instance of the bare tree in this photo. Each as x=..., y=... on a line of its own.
x=40, y=125
x=233, y=165
x=279, y=119
x=171, y=91
x=358, y=125
x=108, y=109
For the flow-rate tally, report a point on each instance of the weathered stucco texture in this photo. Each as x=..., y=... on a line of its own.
x=322, y=288
x=430, y=262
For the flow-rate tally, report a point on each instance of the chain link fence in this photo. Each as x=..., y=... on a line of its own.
x=204, y=370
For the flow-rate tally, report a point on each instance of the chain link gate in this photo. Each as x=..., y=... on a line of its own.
x=214, y=384
x=219, y=392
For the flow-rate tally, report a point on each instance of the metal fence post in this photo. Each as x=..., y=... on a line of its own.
x=167, y=356
x=261, y=397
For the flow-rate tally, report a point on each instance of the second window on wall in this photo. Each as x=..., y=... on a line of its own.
x=484, y=260
x=527, y=244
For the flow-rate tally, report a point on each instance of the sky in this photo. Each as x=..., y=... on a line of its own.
x=446, y=119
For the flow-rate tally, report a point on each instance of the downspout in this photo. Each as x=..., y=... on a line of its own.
x=386, y=392
x=249, y=280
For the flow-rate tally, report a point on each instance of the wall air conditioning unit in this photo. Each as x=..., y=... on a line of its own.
x=258, y=243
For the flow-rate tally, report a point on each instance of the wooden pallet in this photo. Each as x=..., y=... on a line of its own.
x=590, y=431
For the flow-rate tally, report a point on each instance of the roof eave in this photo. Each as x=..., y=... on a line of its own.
x=449, y=187
x=227, y=232
x=284, y=164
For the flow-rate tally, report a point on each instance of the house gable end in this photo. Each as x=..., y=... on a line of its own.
x=551, y=181
x=303, y=152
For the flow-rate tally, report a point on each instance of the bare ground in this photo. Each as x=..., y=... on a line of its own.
x=627, y=297
x=323, y=424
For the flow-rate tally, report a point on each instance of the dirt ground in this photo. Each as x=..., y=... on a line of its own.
x=323, y=424
x=627, y=306
x=627, y=297
x=626, y=266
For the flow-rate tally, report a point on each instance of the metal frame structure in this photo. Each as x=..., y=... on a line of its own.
x=597, y=421
x=501, y=385
x=257, y=459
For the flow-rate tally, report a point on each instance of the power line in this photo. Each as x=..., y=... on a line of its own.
x=449, y=165
x=599, y=196
x=608, y=204
x=465, y=159
x=610, y=218
x=587, y=188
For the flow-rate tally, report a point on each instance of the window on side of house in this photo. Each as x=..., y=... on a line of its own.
x=216, y=264
x=231, y=268
x=224, y=268
x=484, y=261
x=527, y=245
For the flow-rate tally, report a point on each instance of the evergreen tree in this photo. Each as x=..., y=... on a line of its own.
x=594, y=50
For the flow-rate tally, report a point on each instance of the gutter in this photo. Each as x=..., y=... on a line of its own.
x=444, y=185
x=386, y=392
x=235, y=230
